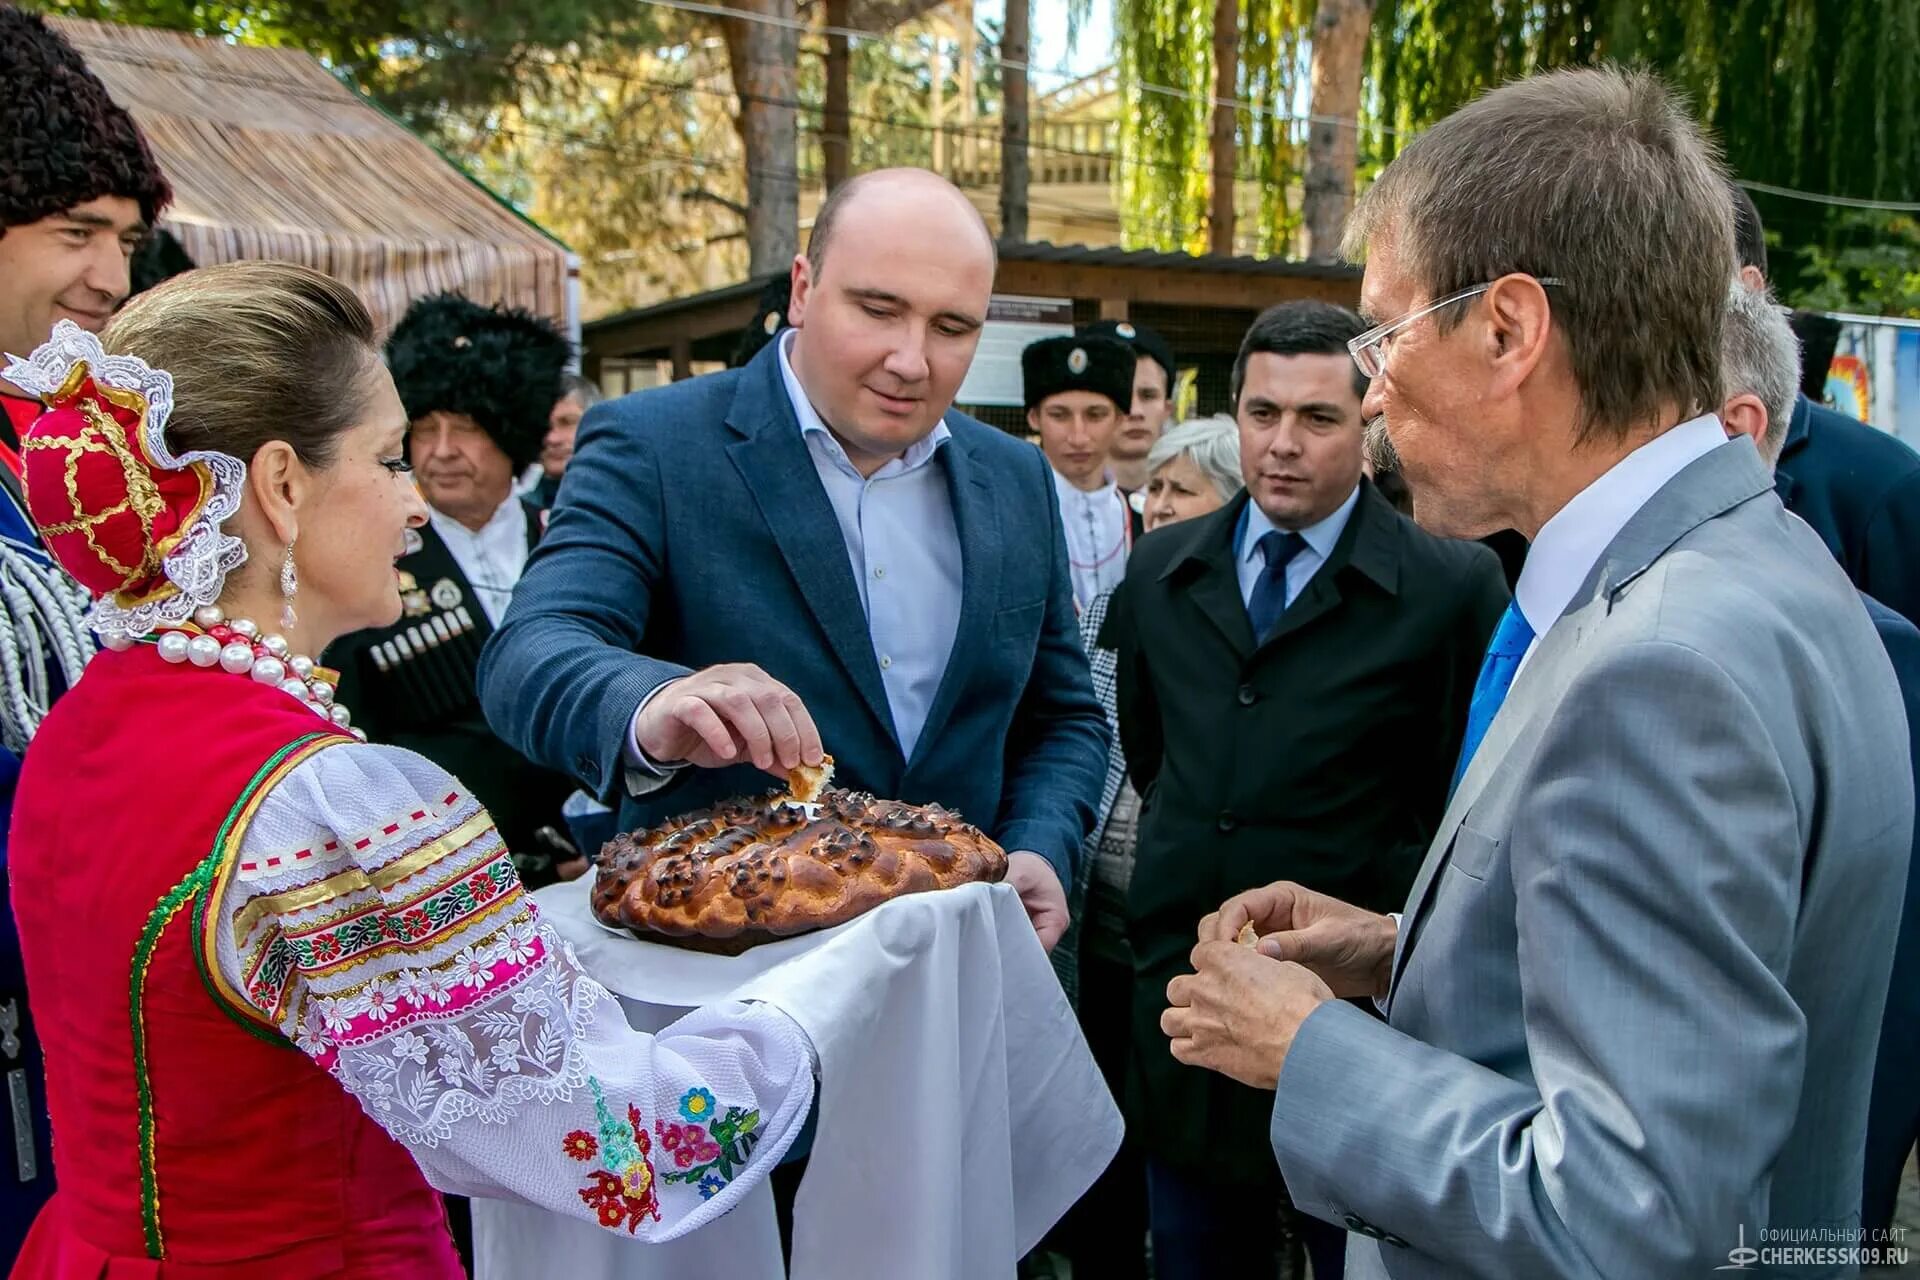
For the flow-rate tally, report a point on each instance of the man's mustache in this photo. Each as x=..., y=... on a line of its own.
x=1379, y=447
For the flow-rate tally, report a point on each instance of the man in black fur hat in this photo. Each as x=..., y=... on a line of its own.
x=79, y=191
x=478, y=384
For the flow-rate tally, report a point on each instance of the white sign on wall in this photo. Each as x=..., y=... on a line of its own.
x=1012, y=323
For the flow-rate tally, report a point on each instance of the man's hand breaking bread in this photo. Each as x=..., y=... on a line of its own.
x=1032, y=876
x=806, y=783
x=726, y=715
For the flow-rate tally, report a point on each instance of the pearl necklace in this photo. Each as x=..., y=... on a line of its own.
x=236, y=646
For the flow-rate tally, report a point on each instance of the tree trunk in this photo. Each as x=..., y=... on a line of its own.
x=1339, y=57
x=969, y=144
x=1013, y=123
x=763, y=57
x=1226, y=76
x=835, y=138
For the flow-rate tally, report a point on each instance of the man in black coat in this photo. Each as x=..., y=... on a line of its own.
x=1293, y=686
x=479, y=384
x=1858, y=486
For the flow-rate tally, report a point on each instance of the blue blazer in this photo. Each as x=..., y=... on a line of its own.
x=1859, y=488
x=1893, y=1117
x=692, y=529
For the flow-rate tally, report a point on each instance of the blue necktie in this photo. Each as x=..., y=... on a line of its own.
x=1269, y=598
x=1504, y=651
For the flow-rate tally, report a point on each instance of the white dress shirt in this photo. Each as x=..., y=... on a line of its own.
x=1569, y=544
x=1099, y=535
x=904, y=549
x=903, y=546
x=492, y=557
x=1320, y=538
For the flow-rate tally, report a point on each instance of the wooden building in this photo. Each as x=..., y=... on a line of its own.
x=1202, y=305
x=270, y=156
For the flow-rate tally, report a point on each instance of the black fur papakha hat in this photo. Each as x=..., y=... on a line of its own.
x=769, y=318
x=63, y=140
x=1103, y=366
x=499, y=366
x=1143, y=340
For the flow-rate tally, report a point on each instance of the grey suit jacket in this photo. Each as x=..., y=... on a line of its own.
x=1632, y=1019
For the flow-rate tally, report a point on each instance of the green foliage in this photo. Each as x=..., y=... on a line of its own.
x=1875, y=270
x=1803, y=93
x=1815, y=95
x=1163, y=138
x=1271, y=153
x=421, y=58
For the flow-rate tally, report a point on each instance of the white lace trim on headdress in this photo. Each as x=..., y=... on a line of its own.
x=199, y=563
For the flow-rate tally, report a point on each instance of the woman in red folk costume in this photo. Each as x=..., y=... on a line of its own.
x=288, y=981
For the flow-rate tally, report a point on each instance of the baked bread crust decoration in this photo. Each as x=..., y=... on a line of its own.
x=746, y=872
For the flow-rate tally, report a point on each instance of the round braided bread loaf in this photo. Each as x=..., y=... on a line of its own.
x=746, y=872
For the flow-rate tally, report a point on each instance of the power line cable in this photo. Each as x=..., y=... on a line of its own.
x=290, y=89
x=1841, y=202
x=1009, y=64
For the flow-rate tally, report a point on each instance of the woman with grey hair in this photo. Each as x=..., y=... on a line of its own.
x=1194, y=468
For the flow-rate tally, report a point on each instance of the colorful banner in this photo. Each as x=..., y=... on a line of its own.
x=1875, y=374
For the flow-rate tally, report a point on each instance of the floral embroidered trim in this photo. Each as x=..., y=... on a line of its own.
x=708, y=1155
x=499, y=1037
x=351, y=884
x=330, y=945
x=622, y=1190
x=397, y=1000
x=462, y=899
x=196, y=881
x=279, y=863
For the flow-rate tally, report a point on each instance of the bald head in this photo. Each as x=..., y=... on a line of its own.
x=884, y=329
x=915, y=201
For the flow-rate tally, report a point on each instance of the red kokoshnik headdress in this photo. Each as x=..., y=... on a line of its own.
x=135, y=525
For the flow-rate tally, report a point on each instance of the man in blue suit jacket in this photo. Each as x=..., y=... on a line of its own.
x=1761, y=370
x=814, y=550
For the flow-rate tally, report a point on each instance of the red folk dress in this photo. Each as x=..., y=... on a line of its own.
x=254, y=1051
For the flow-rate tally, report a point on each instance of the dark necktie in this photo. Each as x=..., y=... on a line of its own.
x=1269, y=598
x=1502, y=663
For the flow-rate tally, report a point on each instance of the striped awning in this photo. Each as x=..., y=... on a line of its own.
x=271, y=157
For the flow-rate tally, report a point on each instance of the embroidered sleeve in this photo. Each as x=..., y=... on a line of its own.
x=374, y=918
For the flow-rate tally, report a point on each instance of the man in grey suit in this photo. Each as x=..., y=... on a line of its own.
x=1631, y=1006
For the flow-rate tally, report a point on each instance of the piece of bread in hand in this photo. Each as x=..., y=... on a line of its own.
x=806, y=783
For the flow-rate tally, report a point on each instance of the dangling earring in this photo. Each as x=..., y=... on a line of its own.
x=289, y=584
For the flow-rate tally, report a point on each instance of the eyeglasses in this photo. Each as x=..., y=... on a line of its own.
x=1369, y=350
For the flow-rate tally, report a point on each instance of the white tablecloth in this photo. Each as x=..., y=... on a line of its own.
x=960, y=1110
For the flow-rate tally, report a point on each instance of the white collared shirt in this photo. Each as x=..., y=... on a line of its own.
x=904, y=549
x=1320, y=537
x=1097, y=526
x=1570, y=544
x=903, y=546
x=492, y=557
